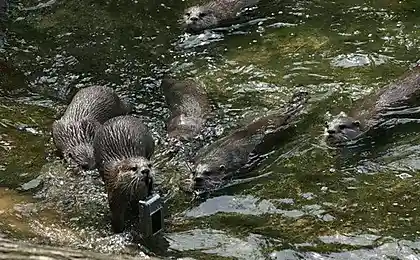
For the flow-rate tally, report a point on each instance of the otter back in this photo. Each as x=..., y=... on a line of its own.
x=240, y=143
x=403, y=92
x=98, y=102
x=121, y=138
x=188, y=105
x=228, y=9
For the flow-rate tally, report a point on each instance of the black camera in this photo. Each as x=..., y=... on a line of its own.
x=151, y=215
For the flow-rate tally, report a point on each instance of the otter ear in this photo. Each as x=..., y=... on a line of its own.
x=356, y=123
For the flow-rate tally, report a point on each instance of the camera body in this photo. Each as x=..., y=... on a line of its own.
x=151, y=215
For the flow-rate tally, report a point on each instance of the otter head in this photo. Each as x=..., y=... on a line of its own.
x=184, y=127
x=207, y=176
x=74, y=140
x=341, y=129
x=80, y=156
x=198, y=18
x=132, y=177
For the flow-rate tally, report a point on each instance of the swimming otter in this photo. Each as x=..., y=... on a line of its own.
x=370, y=112
x=123, y=147
x=188, y=105
x=214, y=163
x=73, y=133
x=213, y=14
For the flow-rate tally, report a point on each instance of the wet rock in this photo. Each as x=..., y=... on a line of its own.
x=32, y=184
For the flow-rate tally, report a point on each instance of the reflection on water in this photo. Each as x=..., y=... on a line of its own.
x=217, y=242
x=250, y=206
x=313, y=203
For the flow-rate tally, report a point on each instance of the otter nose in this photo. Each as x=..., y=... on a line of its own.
x=194, y=19
x=198, y=181
x=145, y=171
x=330, y=131
x=85, y=166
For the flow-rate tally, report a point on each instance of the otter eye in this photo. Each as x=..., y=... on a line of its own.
x=149, y=165
x=202, y=15
x=134, y=169
x=222, y=167
x=342, y=127
x=188, y=14
x=70, y=155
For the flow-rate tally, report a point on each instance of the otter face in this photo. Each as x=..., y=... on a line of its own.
x=74, y=140
x=183, y=127
x=341, y=129
x=80, y=156
x=134, y=177
x=207, y=177
x=198, y=18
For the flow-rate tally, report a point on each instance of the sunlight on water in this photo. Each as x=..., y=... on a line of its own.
x=312, y=203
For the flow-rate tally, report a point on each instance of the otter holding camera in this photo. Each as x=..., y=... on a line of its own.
x=123, y=147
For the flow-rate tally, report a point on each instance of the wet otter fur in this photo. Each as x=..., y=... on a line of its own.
x=371, y=111
x=213, y=164
x=188, y=105
x=213, y=14
x=123, y=147
x=73, y=133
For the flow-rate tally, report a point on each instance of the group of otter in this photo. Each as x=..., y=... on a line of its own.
x=99, y=131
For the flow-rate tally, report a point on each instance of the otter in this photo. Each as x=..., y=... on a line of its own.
x=188, y=106
x=123, y=147
x=73, y=133
x=213, y=14
x=213, y=164
x=371, y=111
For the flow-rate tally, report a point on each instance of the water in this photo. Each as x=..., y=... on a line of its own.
x=312, y=203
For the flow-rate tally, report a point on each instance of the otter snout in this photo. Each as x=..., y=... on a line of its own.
x=204, y=178
x=199, y=181
x=194, y=19
x=81, y=157
x=200, y=176
x=144, y=171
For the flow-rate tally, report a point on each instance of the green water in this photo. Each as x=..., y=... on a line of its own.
x=313, y=203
